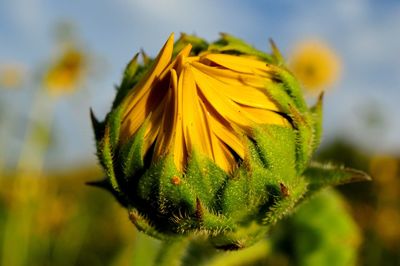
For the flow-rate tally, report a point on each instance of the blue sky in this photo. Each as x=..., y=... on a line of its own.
x=365, y=34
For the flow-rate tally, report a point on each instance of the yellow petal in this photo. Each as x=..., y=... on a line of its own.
x=195, y=132
x=226, y=134
x=148, y=103
x=242, y=93
x=167, y=126
x=226, y=108
x=261, y=116
x=237, y=63
x=176, y=64
x=162, y=60
x=179, y=150
x=223, y=156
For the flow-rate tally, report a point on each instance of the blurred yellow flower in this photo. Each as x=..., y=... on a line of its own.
x=204, y=103
x=11, y=75
x=315, y=64
x=67, y=72
x=387, y=225
x=383, y=169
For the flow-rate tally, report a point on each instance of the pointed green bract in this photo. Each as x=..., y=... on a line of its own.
x=316, y=112
x=205, y=179
x=323, y=175
x=132, y=152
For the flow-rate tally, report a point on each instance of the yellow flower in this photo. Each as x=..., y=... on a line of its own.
x=67, y=72
x=11, y=75
x=315, y=65
x=211, y=139
x=204, y=103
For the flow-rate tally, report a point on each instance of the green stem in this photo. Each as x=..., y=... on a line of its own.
x=172, y=252
x=18, y=222
x=245, y=256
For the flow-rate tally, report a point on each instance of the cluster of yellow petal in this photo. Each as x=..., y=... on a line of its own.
x=206, y=103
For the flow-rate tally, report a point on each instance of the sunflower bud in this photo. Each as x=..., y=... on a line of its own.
x=209, y=139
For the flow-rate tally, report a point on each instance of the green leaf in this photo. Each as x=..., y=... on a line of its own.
x=322, y=175
x=322, y=232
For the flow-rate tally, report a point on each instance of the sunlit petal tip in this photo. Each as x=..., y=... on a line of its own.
x=186, y=50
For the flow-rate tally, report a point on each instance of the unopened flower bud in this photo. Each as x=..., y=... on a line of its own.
x=208, y=139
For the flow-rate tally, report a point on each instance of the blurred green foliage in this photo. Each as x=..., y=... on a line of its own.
x=69, y=223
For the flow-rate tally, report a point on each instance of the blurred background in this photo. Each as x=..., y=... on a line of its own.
x=60, y=58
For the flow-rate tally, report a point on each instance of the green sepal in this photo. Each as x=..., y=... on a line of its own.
x=230, y=44
x=157, y=187
x=132, y=74
x=290, y=85
x=242, y=237
x=278, y=94
x=205, y=178
x=198, y=44
x=214, y=223
x=276, y=145
x=175, y=198
x=293, y=193
x=132, y=152
x=204, y=222
x=98, y=127
x=146, y=59
x=235, y=200
x=144, y=225
x=114, y=121
x=263, y=183
x=323, y=175
x=106, y=158
x=305, y=138
x=127, y=82
x=130, y=71
x=276, y=54
x=316, y=112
